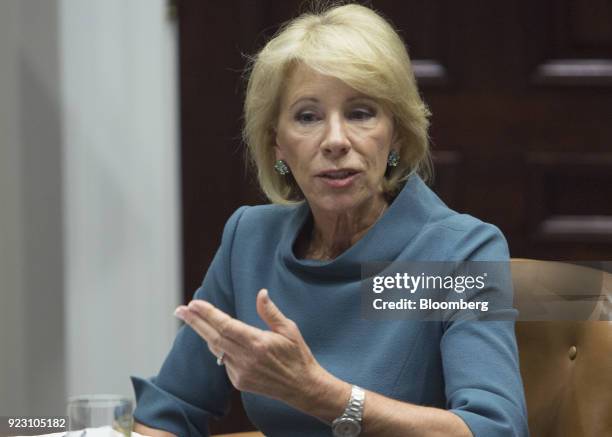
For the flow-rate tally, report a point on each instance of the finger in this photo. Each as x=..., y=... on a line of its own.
x=270, y=314
x=226, y=326
x=215, y=341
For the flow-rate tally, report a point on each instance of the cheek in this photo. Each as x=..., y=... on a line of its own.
x=289, y=152
x=381, y=145
x=384, y=145
x=297, y=149
x=285, y=145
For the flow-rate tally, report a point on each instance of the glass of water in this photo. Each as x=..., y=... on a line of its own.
x=100, y=411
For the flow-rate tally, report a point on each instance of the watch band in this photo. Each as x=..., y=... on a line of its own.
x=349, y=423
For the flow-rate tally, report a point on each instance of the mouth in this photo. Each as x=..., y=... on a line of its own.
x=338, y=174
x=338, y=178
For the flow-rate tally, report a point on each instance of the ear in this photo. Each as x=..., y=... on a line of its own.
x=395, y=144
x=279, y=153
x=278, y=149
x=395, y=140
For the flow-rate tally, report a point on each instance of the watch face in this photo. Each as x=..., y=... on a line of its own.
x=347, y=428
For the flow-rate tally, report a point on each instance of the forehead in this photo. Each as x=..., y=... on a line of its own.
x=303, y=81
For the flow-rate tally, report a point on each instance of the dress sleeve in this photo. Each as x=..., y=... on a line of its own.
x=480, y=359
x=190, y=387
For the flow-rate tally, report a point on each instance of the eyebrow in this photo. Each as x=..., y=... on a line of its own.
x=315, y=100
x=302, y=99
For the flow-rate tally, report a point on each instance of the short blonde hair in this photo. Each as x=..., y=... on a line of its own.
x=358, y=46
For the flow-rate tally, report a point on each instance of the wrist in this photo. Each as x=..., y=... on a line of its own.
x=349, y=424
x=325, y=396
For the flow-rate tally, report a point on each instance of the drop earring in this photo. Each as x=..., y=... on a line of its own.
x=281, y=167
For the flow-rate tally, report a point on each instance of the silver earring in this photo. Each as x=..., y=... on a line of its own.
x=393, y=158
x=281, y=167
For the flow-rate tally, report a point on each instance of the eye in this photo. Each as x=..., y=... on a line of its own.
x=306, y=117
x=361, y=114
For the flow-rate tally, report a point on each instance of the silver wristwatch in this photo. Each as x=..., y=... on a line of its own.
x=349, y=424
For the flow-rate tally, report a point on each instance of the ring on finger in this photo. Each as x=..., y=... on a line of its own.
x=220, y=359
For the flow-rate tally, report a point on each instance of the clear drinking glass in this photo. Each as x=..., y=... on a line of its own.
x=95, y=411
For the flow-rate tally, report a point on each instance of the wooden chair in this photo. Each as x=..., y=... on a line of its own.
x=566, y=365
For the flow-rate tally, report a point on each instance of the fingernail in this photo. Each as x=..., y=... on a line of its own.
x=180, y=313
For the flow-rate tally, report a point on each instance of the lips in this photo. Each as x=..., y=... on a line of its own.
x=338, y=174
x=341, y=178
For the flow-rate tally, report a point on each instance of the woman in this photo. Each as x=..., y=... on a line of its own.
x=338, y=134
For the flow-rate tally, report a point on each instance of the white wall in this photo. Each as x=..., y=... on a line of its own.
x=89, y=252
x=120, y=190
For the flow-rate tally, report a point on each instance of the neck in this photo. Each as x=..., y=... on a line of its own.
x=335, y=232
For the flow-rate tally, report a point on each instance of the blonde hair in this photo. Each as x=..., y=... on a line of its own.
x=358, y=46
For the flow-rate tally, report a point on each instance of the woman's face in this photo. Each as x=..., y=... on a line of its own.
x=334, y=139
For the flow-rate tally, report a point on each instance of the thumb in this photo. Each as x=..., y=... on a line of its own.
x=269, y=312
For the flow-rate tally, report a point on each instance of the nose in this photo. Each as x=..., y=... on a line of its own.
x=336, y=142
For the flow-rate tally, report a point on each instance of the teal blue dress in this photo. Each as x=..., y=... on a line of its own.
x=468, y=367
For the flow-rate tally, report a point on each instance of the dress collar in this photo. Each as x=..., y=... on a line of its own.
x=384, y=241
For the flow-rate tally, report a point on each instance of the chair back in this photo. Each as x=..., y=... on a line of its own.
x=566, y=365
